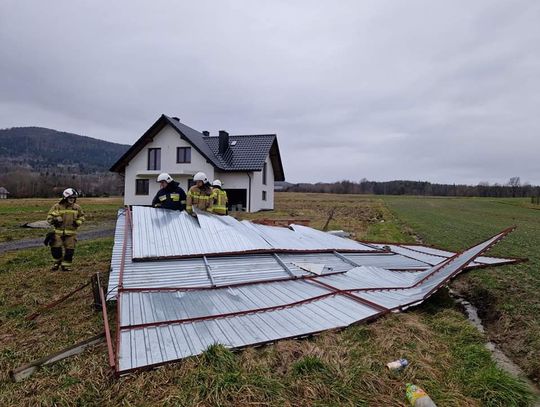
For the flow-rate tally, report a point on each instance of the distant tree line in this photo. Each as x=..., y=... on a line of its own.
x=513, y=188
x=25, y=183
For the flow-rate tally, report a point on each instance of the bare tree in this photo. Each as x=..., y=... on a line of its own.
x=514, y=182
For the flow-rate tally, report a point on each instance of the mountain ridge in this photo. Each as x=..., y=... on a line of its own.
x=43, y=149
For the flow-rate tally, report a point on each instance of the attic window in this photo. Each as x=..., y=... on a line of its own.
x=233, y=143
x=183, y=155
x=154, y=158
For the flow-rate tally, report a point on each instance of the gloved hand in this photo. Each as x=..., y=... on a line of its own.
x=75, y=224
x=57, y=221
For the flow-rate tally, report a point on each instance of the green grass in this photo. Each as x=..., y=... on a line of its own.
x=507, y=297
x=340, y=368
x=101, y=212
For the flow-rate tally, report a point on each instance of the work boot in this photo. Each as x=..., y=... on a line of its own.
x=55, y=267
x=66, y=268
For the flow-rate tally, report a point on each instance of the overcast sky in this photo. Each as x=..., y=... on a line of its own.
x=443, y=91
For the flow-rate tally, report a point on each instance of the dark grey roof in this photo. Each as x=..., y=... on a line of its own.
x=248, y=153
x=4, y=190
x=194, y=137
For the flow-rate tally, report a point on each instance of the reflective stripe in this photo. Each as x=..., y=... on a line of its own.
x=175, y=197
x=67, y=232
x=162, y=197
x=222, y=210
x=183, y=202
x=63, y=211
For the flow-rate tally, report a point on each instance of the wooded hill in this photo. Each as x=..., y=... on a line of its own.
x=43, y=149
x=36, y=161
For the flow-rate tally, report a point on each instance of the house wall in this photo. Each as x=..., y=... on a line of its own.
x=257, y=189
x=168, y=140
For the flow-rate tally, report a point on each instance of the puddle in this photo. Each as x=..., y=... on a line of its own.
x=503, y=361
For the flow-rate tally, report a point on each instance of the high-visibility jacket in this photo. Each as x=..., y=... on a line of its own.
x=170, y=197
x=219, y=201
x=201, y=198
x=65, y=218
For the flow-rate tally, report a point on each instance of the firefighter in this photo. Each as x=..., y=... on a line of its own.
x=65, y=216
x=219, y=198
x=170, y=195
x=199, y=195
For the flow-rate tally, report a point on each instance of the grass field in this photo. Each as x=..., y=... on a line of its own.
x=447, y=355
x=100, y=213
x=508, y=297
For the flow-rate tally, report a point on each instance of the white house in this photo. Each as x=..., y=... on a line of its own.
x=247, y=165
x=4, y=193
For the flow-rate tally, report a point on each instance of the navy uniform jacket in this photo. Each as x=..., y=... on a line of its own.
x=170, y=197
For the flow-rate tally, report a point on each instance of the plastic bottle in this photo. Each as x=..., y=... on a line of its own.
x=398, y=364
x=418, y=397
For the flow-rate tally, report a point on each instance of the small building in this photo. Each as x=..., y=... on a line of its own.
x=4, y=193
x=247, y=165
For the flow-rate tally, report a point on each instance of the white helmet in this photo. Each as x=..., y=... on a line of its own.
x=216, y=183
x=164, y=177
x=70, y=193
x=200, y=176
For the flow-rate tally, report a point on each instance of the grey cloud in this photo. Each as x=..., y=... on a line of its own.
x=441, y=91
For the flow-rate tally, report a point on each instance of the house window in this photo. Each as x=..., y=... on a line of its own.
x=141, y=186
x=264, y=175
x=190, y=183
x=183, y=155
x=264, y=195
x=154, y=158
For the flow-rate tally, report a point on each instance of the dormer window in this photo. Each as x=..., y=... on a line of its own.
x=154, y=158
x=183, y=155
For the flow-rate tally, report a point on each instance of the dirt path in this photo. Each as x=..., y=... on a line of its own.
x=29, y=243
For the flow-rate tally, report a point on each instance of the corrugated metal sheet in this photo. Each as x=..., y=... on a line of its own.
x=153, y=346
x=191, y=272
x=158, y=327
x=445, y=253
x=161, y=233
x=433, y=256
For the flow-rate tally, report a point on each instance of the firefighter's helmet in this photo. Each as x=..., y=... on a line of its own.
x=200, y=176
x=70, y=193
x=216, y=183
x=164, y=177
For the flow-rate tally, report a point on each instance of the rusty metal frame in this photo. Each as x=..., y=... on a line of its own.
x=112, y=358
x=256, y=251
x=55, y=302
x=127, y=228
x=510, y=260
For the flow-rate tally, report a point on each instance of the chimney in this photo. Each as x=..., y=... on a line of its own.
x=223, y=141
x=206, y=133
x=176, y=118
